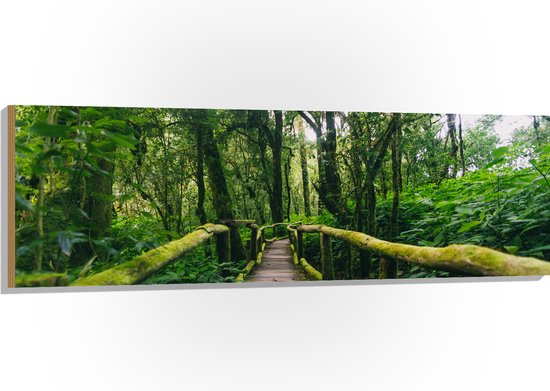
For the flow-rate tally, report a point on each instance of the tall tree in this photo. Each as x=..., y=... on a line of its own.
x=303, y=166
x=452, y=162
x=461, y=145
x=220, y=194
x=388, y=267
x=329, y=189
x=201, y=188
x=276, y=142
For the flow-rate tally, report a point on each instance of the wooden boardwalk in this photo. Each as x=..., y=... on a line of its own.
x=277, y=264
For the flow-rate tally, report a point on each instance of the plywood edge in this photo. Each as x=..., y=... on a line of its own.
x=11, y=196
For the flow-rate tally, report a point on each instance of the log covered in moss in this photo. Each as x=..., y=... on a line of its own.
x=310, y=272
x=248, y=268
x=36, y=280
x=143, y=266
x=469, y=259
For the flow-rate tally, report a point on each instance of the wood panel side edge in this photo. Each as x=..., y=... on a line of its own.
x=11, y=196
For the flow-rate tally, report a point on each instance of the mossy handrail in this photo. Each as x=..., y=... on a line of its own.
x=142, y=267
x=469, y=259
x=463, y=258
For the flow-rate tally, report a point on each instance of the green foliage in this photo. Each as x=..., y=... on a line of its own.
x=501, y=207
x=97, y=187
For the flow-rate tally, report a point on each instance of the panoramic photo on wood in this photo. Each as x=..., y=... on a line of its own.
x=122, y=196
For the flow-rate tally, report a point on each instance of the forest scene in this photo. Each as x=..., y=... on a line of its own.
x=115, y=196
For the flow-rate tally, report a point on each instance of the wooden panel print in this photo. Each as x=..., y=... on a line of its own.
x=119, y=196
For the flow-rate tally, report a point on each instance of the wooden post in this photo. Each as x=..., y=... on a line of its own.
x=364, y=264
x=253, y=242
x=223, y=247
x=300, y=243
x=327, y=263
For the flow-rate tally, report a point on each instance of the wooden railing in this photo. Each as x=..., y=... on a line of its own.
x=466, y=259
x=142, y=267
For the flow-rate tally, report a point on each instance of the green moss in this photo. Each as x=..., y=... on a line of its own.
x=294, y=254
x=248, y=268
x=470, y=259
x=142, y=267
x=41, y=280
x=310, y=271
x=259, y=258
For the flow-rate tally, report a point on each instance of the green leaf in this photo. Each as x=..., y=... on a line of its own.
x=512, y=249
x=46, y=130
x=500, y=152
x=23, y=202
x=123, y=141
x=465, y=210
x=468, y=226
x=65, y=243
x=495, y=162
x=546, y=247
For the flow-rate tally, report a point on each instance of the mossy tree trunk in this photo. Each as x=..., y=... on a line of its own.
x=327, y=262
x=222, y=202
x=330, y=188
x=201, y=189
x=374, y=164
x=452, y=161
x=276, y=142
x=303, y=166
x=388, y=267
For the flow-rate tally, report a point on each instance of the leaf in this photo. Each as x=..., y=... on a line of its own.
x=495, y=162
x=512, y=249
x=47, y=130
x=546, y=247
x=465, y=210
x=500, y=152
x=468, y=226
x=23, y=202
x=123, y=141
x=66, y=240
x=65, y=243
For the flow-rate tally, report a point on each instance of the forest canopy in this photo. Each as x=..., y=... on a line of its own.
x=99, y=186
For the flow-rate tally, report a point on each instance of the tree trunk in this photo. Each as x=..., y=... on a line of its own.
x=288, y=189
x=329, y=191
x=277, y=148
x=201, y=213
x=303, y=165
x=388, y=267
x=461, y=145
x=333, y=189
x=536, y=125
x=454, y=147
x=220, y=193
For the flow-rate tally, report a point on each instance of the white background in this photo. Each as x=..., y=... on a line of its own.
x=423, y=56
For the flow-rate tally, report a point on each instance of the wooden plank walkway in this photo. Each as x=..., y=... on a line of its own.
x=277, y=264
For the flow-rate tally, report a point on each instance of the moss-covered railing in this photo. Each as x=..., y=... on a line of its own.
x=144, y=266
x=296, y=238
x=467, y=259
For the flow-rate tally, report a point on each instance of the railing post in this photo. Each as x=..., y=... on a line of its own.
x=253, y=242
x=327, y=263
x=300, y=242
x=223, y=247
